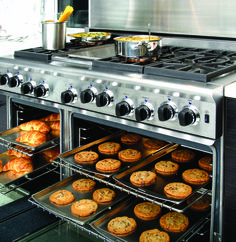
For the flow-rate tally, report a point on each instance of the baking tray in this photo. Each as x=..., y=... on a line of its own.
x=10, y=136
x=157, y=190
x=7, y=176
x=126, y=208
x=64, y=211
x=68, y=157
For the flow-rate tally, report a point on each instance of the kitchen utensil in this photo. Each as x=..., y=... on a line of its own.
x=66, y=14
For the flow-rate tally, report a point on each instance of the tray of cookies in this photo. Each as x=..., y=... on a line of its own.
x=173, y=177
x=137, y=220
x=78, y=199
x=113, y=153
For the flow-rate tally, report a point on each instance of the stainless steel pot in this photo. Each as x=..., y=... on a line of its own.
x=137, y=48
x=53, y=35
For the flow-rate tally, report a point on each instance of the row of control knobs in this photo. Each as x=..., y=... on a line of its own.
x=166, y=111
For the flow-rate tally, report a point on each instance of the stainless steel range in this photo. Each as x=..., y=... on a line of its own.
x=177, y=96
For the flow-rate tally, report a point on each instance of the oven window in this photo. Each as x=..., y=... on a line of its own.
x=79, y=17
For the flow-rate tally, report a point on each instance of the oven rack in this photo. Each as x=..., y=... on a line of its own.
x=166, y=204
x=26, y=150
x=84, y=228
x=21, y=181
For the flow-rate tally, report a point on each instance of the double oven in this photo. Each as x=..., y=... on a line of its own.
x=178, y=97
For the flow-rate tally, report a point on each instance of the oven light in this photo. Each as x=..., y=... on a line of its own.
x=16, y=67
x=169, y=99
x=190, y=103
x=156, y=90
x=137, y=88
x=176, y=94
x=42, y=71
x=99, y=81
x=106, y=88
x=115, y=84
x=126, y=96
x=55, y=73
x=71, y=86
x=145, y=100
x=198, y=98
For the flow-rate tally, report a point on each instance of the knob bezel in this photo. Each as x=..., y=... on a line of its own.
x=46, y=86
x=130, y=104
x=196, y=113
x=74, y=94
x=174, y=107
x=151, y=109
x=18, y=78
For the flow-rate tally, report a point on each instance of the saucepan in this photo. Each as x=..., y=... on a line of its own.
x=138, y=46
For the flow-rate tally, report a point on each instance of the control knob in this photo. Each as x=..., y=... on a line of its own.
x=69, y=96
x=41, y=90
x=15, y=81
x=188, y=116
x=124, y=107
x=104, y=99
x=144, y=112
x=166, y=111
x=27, y=88
x=5, y=78
x=88, y=95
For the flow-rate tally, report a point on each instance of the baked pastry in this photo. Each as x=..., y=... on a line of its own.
x=122, y=225
x=202, y=204
x=34, y=138
x=109, y=148
x=153, y=144
x=143, y=178
x=183, y=155
x=86, y=157
x=35, y=125
x=174, y=222
x=17, y=154
x=196, y=176
x=177, y=190
x=108, y=165
x=131, y=139
x=206, y=163
x=62, y=197
x=1, y=165
x=19, y=164
x=154, y=235
x=54, y=125
x=147, y=210
x=166, y=167
x=129, y=155
x=52, y=153
x=84, y=207
x=52, y=117
x=83, y=185
x=103, y=195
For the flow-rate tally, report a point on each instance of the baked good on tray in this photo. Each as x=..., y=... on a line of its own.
x=143, y=178
x=52, y=153
x=154, y=235
x=104, y=195
x=109, y=148
x=183, y=155
x=62, y=197
x=129, y=155
x=86, y=157
x=122, y=225
x=55, y=125
x=174, y=222
x=52, y=117
x=17, y=154
x=19, y=164
x=195, y=176
x=84, y=207
x=1, y=165
x=177, y=190
x=83, y=185
x=206, y=163
x=166, y=167
x=131, y=139
x=33, y=138
x=147, y=210
x=202, y=204
x=153, y=144
x=108, y=165
x=35, y=125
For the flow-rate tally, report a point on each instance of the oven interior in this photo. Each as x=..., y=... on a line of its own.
x=85, y=132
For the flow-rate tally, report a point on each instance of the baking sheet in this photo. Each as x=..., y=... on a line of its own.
x=127, y=209
x=7, y=176
x=64, y=211
x=68, y=157
x=10, y=136
x=157, y=190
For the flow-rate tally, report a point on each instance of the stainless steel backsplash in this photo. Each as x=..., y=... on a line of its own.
x=186, y=17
